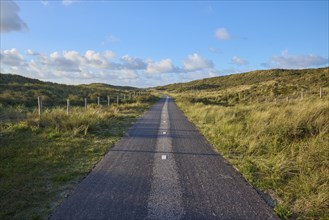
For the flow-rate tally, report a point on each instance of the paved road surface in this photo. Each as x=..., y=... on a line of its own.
x=163, y=169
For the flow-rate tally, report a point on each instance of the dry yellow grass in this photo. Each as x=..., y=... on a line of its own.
x=280, y=148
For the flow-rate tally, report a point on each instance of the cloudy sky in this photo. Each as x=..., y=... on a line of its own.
x=150, y=43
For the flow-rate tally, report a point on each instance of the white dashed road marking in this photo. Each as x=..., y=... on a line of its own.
x=165, y=200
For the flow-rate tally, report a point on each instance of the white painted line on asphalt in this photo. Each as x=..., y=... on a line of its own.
x=167, y=205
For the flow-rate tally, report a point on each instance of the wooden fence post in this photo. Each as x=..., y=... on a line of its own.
x=85, y=104
x=320, y=92
x=39, y=105
x=68, y=107
x=98, y=100
x=288, y=99
x=117, y=100
x=108, y=101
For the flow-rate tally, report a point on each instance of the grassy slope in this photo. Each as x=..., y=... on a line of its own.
x=280, y=148
x=18, y=90
x=42, y=159
x=299, y=79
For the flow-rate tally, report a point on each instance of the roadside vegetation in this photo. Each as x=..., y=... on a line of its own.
x=273, y=127
x=18, y=90
x=43, y=158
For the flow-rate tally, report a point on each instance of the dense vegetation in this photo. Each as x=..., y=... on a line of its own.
x=42, y=158
x=19, y=90
x=273, y=127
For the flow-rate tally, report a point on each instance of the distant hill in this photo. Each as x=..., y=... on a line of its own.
x=19, y=90
x=103, y=86
x=304, y=78
x=259, y=85
x=16, y=79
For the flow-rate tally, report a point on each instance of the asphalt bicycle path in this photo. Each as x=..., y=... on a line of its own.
x=164, y=169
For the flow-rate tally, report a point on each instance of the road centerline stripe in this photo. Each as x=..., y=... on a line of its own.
x=165, y=199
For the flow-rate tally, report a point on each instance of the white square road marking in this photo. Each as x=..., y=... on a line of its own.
x=164, y=132
x=164, y=157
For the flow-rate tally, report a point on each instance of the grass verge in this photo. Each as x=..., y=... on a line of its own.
x=281, y=149
x=43, y=159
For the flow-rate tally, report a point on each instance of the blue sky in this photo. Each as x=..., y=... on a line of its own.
x=150, y=43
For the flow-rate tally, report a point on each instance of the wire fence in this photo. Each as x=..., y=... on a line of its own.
x=100, y=101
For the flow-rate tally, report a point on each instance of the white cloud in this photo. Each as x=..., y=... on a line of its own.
x=213, y=73
x=285, y=60
x=109, y=54
x=35, y=67
x=127, y=74
x=9, y=18
x=222, y=34
x=196, y=62
x=61, y=63
x=86, y=75
x=163, y=66
x=32, y=53
x=239, y=61
x=75, y=67
x=133, y=63
x=73, y=56
x=96, y=60
x=11, y=58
